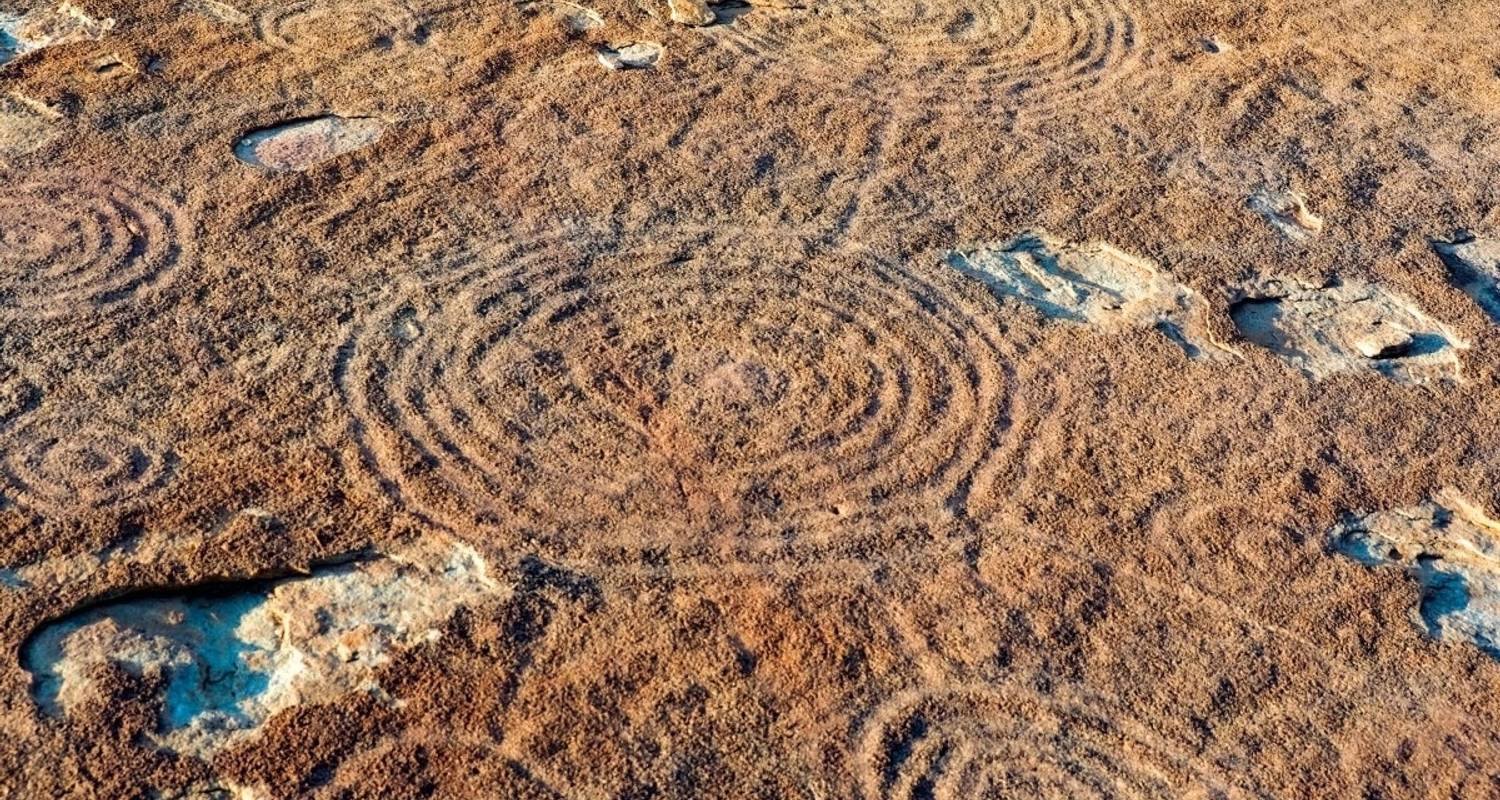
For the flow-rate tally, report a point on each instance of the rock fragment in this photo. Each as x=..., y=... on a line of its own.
x=1347, y=327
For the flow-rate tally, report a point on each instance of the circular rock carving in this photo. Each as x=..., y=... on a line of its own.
x=63, y=466
x=1037, y=57
x=337, y=27
x=983, y=742
x=695, y=395
x=70, y=242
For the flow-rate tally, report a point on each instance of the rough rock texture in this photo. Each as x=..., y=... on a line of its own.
x=781, y=504
x=1349, y=327
x=1451, y=548
x=1091, y=283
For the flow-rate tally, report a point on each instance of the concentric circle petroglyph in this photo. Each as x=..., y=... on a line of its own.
x=693, y=394
x=986, y=741
x=332, y=27
x=1034, y=57
x=71, y=241
x=63, y=465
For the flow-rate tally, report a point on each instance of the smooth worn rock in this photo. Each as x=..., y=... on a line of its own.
x=1451, y=548
x=307, y=143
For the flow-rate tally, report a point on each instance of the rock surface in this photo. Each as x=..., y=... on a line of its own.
x=781, y=504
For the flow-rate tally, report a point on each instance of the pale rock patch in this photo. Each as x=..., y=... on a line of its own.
x=1451, y=548
x=26, y=124
x=579, y=18
x=304, y=144
x=21, y=34
x=1288, y=212
x=632, y=55
x=576, y=17
x=227, y=660
x=219, y=12
x=1474, y=266
x=1094, y=284
x=1347, y=327
x=690, y=12
x=1215, y=45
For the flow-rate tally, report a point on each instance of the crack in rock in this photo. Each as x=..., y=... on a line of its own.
x=1451, y=548
x=1094, y=284
x=229, y=657
x=1347, y=327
